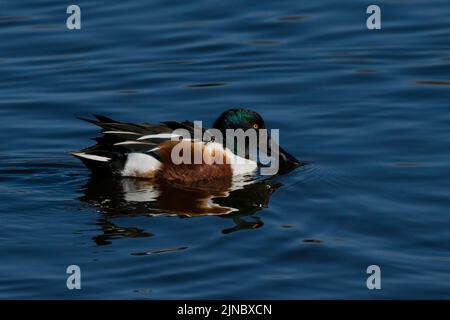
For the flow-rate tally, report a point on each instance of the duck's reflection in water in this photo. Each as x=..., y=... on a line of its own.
x=112, y=231
x=234, y=200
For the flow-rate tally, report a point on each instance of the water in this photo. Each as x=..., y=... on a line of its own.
x=368, y=109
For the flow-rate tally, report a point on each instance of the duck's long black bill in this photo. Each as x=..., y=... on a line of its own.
x=287, y=161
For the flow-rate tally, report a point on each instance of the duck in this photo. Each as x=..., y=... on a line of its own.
x=146, y=150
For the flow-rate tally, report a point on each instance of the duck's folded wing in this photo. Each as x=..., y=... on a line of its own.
x=124, y=137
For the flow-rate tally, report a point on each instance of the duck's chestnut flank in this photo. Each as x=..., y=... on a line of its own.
x=190, y=172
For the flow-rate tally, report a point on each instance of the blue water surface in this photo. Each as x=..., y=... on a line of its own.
x=369, y=109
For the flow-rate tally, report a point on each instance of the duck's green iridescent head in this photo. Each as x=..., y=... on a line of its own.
x=239, y=119
x=247, y=119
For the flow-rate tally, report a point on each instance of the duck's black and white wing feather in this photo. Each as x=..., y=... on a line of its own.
x=118, y=139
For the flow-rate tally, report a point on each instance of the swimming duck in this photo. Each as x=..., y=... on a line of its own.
x=144, y=150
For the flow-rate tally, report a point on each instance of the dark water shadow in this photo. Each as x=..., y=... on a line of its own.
x=122, y=197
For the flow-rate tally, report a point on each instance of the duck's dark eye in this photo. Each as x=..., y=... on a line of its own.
x=255, y=126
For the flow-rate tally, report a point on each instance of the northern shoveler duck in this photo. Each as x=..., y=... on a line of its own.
x=144, y=150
